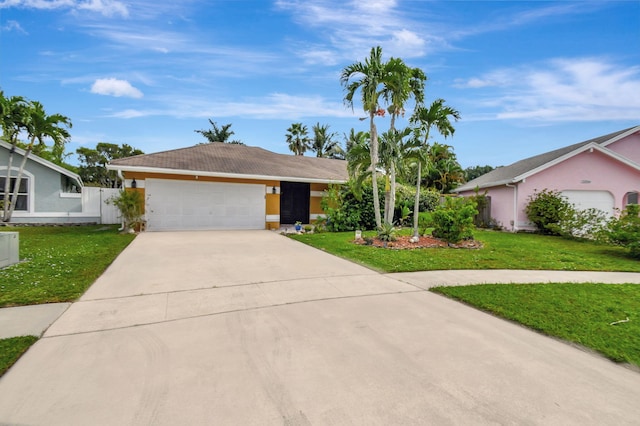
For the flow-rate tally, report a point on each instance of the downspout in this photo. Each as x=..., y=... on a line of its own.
x=514, y=227
x=123, y=188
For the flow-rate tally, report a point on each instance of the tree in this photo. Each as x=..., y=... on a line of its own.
x=369, y=78
x=219, y=134
x=298, y=138
x=13, y=119
x=324, y=144
x=39, y=126
x=93, y=162
x=437, y=115
x=443, y=172
x=395, y=148
x=471, y=173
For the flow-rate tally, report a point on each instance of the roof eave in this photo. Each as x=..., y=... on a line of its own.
x=219, y=174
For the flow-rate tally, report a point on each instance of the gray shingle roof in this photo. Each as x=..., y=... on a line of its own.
x=234, y=159
x=502, y=175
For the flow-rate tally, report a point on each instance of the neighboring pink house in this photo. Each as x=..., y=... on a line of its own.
x=601, y=173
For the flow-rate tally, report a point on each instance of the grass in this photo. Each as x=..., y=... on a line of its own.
x=501, y=250
x=58, y=263
x=11, y=349
x=578, y=313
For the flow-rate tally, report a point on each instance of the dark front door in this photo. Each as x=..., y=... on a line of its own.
x=294, y=202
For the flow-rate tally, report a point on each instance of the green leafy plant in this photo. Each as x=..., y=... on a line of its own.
x=308, y=228
x=547, y=209
x=387, y=232
x=625, y=230
x=129, y=203
x=425, y=221
x=453, y=220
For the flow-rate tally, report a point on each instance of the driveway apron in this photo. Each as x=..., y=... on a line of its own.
x=252, y=328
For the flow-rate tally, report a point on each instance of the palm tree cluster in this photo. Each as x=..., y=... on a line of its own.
x=392, y=84
x=323, y=142
x=219, y=133
x=18, y=115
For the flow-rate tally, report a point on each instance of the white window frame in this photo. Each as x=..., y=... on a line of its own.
x=30, y=186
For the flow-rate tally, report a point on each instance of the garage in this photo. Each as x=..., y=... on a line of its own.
x=176, y=205
x=583, y=200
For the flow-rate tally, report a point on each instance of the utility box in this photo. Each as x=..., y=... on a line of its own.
x=9, y=248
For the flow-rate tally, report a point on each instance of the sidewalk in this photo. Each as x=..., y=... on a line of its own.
x=29, y=320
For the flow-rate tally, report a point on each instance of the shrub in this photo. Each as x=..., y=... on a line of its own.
x=387, y=232
x=345, y=211
x=625, y=230
x=453, y=220
x=129, y=203
x=589, y=224
x=546, y=209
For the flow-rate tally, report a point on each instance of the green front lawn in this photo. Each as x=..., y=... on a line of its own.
x=58, y=263
x=579, y=313
x=502, y=250
x=11, y=349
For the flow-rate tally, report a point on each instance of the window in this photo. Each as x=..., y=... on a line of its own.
x=23, y=192
x=632, y=198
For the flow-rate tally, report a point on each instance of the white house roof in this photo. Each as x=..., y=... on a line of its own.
x=529, y=166
x=42, y=161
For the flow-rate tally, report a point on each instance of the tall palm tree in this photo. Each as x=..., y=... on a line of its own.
x=13, y=119
x=394, y=150
x=39, y=126
x=369, y=78
x=437, y=115
x=298, y=139
x=358, y=159
x=219, y=134
x=324, y=144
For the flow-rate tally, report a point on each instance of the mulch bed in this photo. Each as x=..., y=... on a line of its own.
x=403, y=243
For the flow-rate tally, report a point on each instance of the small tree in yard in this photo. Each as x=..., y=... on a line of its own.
x=453, y=220
x=547, y=209
x=625, y=230
x=129, y=203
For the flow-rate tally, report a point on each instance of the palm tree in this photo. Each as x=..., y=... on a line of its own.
x=436, y=115
x=394, y=150
x=358, y=159
x=13, y=118
x=298, y=139
x=369, y=77
x=324, y=144
x=219, y=134
x=39, y=126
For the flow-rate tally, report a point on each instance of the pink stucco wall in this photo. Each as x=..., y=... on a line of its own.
x=628, y=147
x=587, y=171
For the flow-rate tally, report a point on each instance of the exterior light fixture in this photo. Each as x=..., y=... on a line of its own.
x=134, y=184
x=273, y=190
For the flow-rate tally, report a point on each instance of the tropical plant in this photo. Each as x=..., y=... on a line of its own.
x=324, y=143
x=443, y=172
x=471, y=173
x=298, y=138
x=368, y=77
x=13, y=119
x=437, y=115
x=129, y=203
x=453, y=220
x=395, y=149
x=39, y=126
x=219, y=134
x=387, y=232
x=625, y=230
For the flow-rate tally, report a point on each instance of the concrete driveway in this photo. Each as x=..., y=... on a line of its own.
x=251, y=328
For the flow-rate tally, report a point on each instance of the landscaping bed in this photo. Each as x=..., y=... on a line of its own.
x=405, y=242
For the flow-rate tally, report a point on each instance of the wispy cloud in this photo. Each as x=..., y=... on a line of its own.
x=107, y=8
x=115, y=87
x=13, y=26
x=584, y=89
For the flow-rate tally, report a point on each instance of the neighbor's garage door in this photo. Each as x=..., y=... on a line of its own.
x=180, y=205
x=601, y=200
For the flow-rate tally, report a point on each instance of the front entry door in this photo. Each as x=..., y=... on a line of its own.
x=294, y=202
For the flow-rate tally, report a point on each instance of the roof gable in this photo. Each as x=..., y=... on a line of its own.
x=42, y=161
x=529, y=166
x=234, y=160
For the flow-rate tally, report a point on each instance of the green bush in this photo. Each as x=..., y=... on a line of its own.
x=625, y=230
x=387, y=232
x=546, y=209
x=589, y=224
x=129, y=203
x=453, y=220
x=345, y=211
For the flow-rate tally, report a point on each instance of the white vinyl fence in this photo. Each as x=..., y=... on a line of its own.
x=94, y=203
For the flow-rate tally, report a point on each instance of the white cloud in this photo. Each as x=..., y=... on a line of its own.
x=104, y=7
x=13, y=26
x=115, y=87
x=584, y=89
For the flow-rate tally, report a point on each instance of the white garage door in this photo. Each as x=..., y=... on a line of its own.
x=180, y=205
x=601, y=200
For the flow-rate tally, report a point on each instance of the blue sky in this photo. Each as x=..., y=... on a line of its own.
x=526, y=76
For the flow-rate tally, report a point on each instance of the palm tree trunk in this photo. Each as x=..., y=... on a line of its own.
x=16, y=188
x=387, y=198
x=392, y=195
x=374, y=175
x=7, y=186
x=416, y=204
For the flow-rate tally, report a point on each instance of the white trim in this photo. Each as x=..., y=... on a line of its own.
x=44, y=162
x=317, y=194
x=218, y=174
x=30, y=191
x=22, y=213
x=621, y=136
x=70, y=195
x=272, y=218
x=315, y=216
